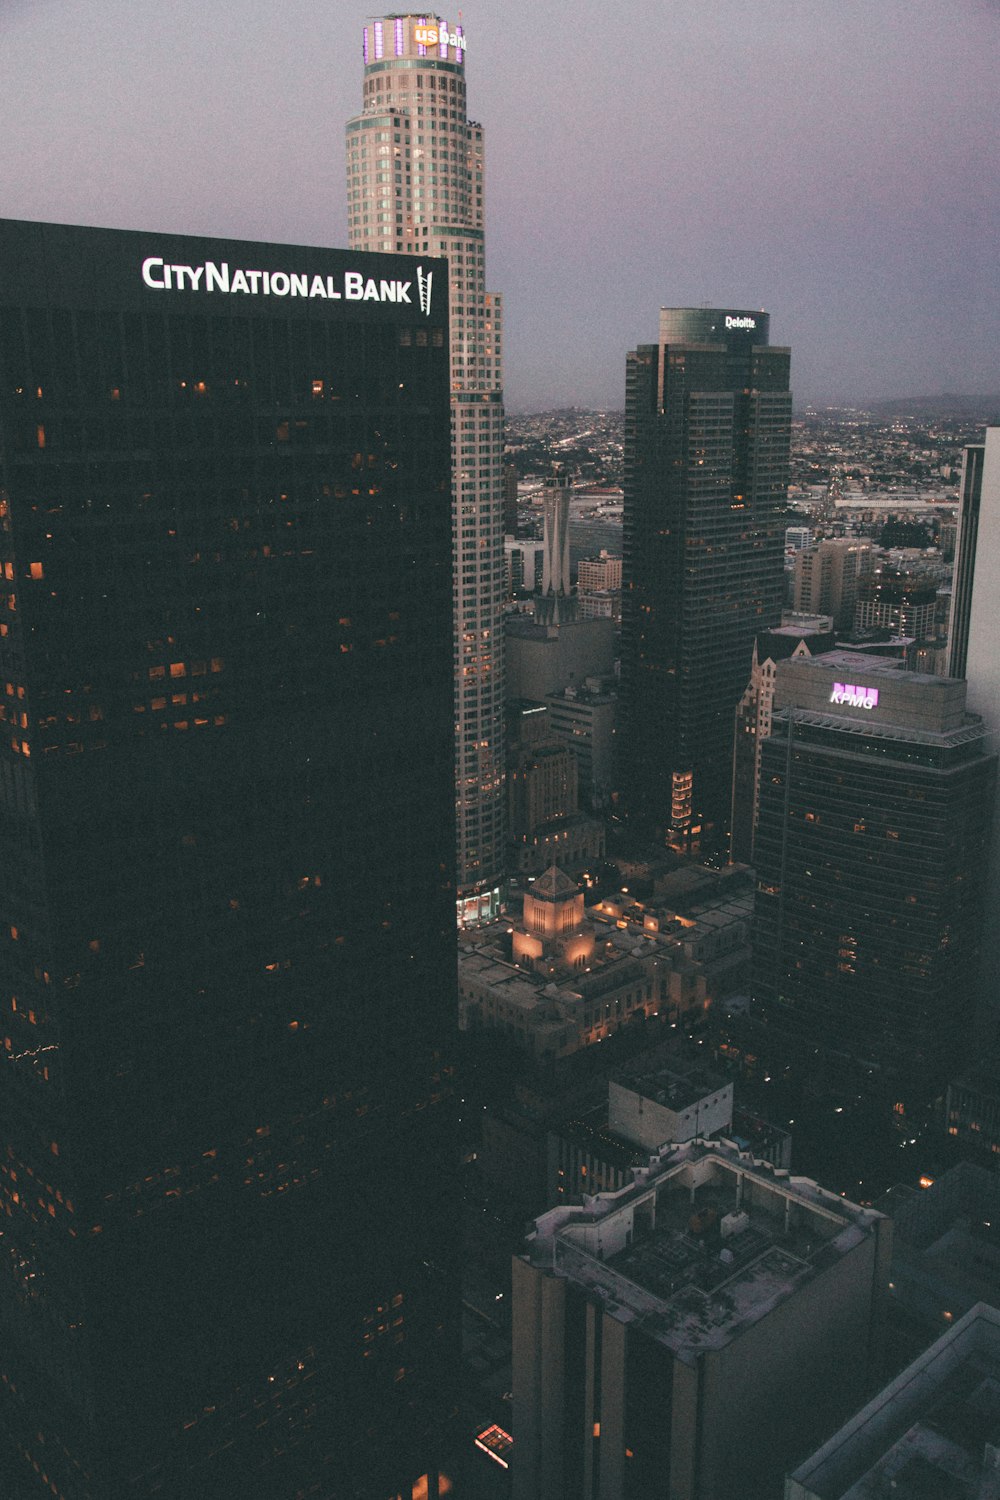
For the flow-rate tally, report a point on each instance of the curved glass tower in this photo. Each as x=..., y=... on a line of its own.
x=415, y=184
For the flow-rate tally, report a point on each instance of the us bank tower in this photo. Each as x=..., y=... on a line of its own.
x=415, y=184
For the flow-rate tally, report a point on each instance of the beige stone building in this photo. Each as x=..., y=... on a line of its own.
x=694, y=1333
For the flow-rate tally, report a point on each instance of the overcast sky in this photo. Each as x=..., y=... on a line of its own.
x=834, y=161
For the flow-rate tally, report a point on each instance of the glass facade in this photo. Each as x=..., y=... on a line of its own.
x=871, y=852
x=227, y=889
x=707, y=431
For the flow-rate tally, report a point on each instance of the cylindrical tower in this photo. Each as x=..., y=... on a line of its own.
x=415, y=184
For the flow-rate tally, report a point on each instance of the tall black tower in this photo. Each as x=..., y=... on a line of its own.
x=876, y=789
x=226, y=887
x=707, y=427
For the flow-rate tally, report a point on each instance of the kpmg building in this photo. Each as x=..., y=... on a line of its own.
x=226, y=886
x=876, y=789
x=707, y=429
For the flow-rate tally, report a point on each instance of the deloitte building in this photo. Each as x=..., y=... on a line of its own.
x=227, y=892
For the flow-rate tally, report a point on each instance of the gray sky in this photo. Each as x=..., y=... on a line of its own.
x=835, y=161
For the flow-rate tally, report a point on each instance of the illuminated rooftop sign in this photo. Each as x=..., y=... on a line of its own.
x=438, y=35
x=352, y=286
x=854, y=695
x=740, y=322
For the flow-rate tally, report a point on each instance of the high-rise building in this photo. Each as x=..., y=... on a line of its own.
x=227, y=892
x=753, y=723
x=965, y=549
x=901, y=602
x=524, y=560
x=872, y=838
x=827, y=575
x=599, y=574
x=977, y=588
x=688, y=1334
x=545, y=823
x=415, y=184
x=599, y=586
x=707, y=431
x=510, y=520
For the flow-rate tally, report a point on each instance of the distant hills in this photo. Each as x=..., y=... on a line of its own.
x=973, y=408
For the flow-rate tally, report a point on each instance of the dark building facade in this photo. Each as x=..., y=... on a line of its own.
x=871, y=855
x=965, y=559
x=753, y=725
x=227, y=889
x=707, y=429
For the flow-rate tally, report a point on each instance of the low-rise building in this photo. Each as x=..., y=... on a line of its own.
x=562, y=979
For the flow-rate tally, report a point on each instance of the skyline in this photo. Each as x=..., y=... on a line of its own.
x=834, y=168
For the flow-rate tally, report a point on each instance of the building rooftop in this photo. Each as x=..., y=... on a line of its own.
x=689, y=1253
x=675, y=1090
x=931, y=1434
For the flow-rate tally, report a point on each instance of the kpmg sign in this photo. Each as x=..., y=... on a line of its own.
x=854, y=695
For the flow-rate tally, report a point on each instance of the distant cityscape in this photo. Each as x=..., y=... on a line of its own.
x=498, y=943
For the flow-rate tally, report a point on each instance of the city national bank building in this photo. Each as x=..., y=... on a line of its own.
x=227, y=895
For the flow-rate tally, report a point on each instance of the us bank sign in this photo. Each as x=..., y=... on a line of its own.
x=216, y=276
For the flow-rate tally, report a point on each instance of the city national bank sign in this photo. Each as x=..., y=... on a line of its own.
x=352, y=286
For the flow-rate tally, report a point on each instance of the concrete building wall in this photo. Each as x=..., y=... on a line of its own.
x=551, y=659
x=651, y=1124
x=983, y=675
x=772, y=1394
x=538, y=1379
x=909, y=700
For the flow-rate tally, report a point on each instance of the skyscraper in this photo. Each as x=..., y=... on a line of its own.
x=707, y=427
x=415, y=178
x=974, y=652
x=875, y=794
x=226, y=896
x=753, y=723
x=965, y=558
x=828, y=574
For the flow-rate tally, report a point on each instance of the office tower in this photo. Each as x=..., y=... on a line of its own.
x=798, y=537
x=871, y=848
x=689, y=1334
x=827, y=576
x=545, y=823
x=977, y=587
x=226, y=899
x=753, y=724
x=599, y=574
x=415, y=184
x=584, y=717
x=900, y=602
x=965, y=559
x=510, y=521
x=599, y=586
x=523, y=563
x=707, y=430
